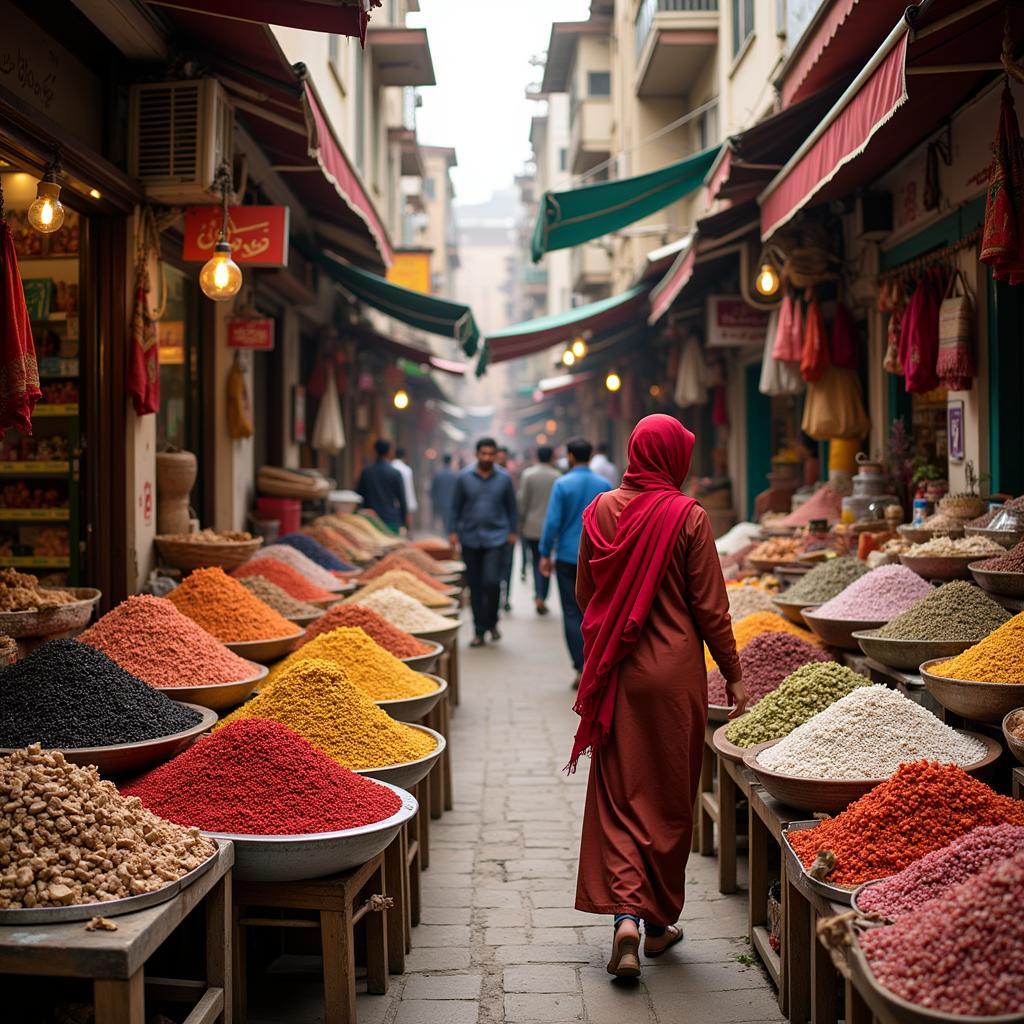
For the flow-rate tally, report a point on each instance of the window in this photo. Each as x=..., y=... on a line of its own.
x=707, y=128
x=563, y=158
x=742, y=24
x=429, y=188
x=599, y=83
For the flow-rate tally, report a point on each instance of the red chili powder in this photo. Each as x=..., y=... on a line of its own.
x=921, y=808
x=766, y=661
x=394, y=640
x=150, y=638
x=258, y=777
x=288, y=579
x=400, y=562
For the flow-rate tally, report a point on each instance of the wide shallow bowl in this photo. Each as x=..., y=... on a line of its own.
x=835, y=893
x=726, y=748
x=839, y=632
x=788, y=575
x=1008, y=538
x=834, y=795
x=771, y=564
x=328, y=602
x=908, y=654
x=451, y=578
x=294, y=858
x=408, y=773
x=793, y=610
x=923, y=534
x=134, y=758
x=442, y=636
x=29, y=916
x=414, y=709
x=61, y=619
x=217, y=696
x=425, y=662
x=718, y=713
x=937, y=567
x=1016, y=745
x=980, y=702
x=1007, y=584
x=304, y=620
x=855, y=898
x=266, y=650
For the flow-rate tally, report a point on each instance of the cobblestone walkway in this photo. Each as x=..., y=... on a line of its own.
x=499, y=940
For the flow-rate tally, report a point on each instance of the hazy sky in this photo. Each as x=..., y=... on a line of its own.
x=481, y=51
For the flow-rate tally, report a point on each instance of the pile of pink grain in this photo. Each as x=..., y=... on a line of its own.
x=878, y=596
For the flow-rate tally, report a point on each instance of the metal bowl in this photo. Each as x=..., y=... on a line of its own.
x=294, y=858
x=936, y=567
x=217, y=696
x=793, y=610
x=425, y=662
x=1008, y=538
x=908, y=654
x=980, y=702
x=451, y=578
x=923, y=534
x=415, y=709
x=304, y=620
x=835, y=795
x=328, y=602
x=1008, y=584
x=835, y=893
x=718, y=713
x=49, y=622
x=442, y=636
x=408, y=773
x=855, y=898
x=1016, y=745
x=839, y=632
x=266, y=650
x=726, y=748
x=124, y=759
x=771, y=564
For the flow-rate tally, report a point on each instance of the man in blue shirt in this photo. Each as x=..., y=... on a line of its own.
x=383, y=489
x=482, y=519
x=563, y=526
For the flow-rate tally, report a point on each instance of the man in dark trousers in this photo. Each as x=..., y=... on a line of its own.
x=482, y=520
x=383, y=489
x=442, y=487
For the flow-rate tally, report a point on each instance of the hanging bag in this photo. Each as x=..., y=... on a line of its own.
x=919, y=340
x=834, y=408
x=778, y=377
x=814, y=359
x=789, y=335
x=955, y=364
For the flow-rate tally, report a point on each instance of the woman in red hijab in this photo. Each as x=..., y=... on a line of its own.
x=651, y=589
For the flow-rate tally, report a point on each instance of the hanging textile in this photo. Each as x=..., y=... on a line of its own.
x=955, y=365
x=814, y=359
x=891, y=363
x=1002, y=245
x=919, y=334
x=238, y=410
x=720, y=407
x=778, y=377
x=691, y=376
x=143, y=347
x=328, y=430
x=834, y=407
x=789, y=337
x=844, y=339
x=19, y=371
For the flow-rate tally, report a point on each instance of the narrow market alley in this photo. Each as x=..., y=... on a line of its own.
x=500, y=940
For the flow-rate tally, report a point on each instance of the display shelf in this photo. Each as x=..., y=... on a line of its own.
x=39, y=468
x=67, y=409
x=763, y=947
x=35, y=561
x=34, y=515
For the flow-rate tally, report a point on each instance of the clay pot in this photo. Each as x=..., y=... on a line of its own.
x=175, y=476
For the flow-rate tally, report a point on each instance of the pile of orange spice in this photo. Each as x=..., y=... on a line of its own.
x=402, y=563
x=999, y=658
x=226, y=610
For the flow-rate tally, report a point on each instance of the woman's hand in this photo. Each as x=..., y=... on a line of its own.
x=738, y=697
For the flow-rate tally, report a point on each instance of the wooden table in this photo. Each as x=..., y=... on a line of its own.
x=439, y=719
x=723, y=783
x=116, y=961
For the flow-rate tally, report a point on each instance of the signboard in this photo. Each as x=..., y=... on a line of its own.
x=411, y=270
x=258, y=235
x=170, y=337
x=731, y=323
x=255, y=333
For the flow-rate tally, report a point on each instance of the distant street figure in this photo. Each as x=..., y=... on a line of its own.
x=534, y=493
x=405, y=470
x=501, y=460
x=383, y=489
x=602, y=465
x=442, y=487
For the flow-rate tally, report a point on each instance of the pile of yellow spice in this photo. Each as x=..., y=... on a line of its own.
x=999, y=658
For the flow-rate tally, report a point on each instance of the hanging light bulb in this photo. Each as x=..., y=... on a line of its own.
x=551, y=426
x=401, y=399
x=767, y=282
x=221, y=276
x=579, y=348
x=568, y=358
x=613, y=381
x=46, y=214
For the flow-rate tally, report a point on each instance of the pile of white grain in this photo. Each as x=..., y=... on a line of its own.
x=402, y=611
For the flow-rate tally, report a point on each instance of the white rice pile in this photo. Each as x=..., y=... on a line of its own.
x=403, y=611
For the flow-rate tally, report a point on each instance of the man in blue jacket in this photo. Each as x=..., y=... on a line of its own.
x=563, y=526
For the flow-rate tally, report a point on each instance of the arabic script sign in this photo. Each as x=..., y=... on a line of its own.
x=254, y=333
x=731, y=323
x=258, y=235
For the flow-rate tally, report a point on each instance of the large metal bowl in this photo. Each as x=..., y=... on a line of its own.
x=442, y=636
x=415, y=709
x=408, y=773
x=718, y=713
x=425, y=662
x=793, y=610
x=937, y=567
x=294, y=858
x=835, y=893
x=266, y=650
x=839, y=632
x=62, y=619
x=1016, y=745
x=923, y=534
x=1008, y=584
x=1008, y=538
x=217, y=696
x=980, y=702
x=835, y=795
x=125, y=759
x=908, y=654
x=304, y=620
x=771, y=564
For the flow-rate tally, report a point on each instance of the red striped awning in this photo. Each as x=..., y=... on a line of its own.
x=667, y=290
x=340, y=17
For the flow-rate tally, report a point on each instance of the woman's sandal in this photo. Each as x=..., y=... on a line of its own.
x=625, y=959
x=673, y=934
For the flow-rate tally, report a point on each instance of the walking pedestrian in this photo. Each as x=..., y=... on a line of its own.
x=442, y=487
x=534, y=493
x=651, y=587
x=405, y=470
x=382, y=488
x=602, y=465
x=508, y=558
x=483, y=520
x=563, y=524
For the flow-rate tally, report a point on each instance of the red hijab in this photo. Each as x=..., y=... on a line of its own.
x=628, y=570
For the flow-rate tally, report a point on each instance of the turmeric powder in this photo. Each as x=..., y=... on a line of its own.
x=999, y=658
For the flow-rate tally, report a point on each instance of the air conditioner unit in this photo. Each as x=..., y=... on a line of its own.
x=180, y=134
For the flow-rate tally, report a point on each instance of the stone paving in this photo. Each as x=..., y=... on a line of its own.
x=499, y=939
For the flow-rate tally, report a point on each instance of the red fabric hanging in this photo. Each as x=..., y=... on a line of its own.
x=844, y=339
x=144, y=350
x=719, y=407
x=19, y=371
x=814, y=359
x=789, y=337
x=919, y=336
x=1002, y=241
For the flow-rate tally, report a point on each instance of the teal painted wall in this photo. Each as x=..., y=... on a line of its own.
x=759, y=436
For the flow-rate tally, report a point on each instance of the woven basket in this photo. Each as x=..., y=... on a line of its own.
x=186, y=555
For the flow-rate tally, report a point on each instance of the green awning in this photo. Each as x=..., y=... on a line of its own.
x=427, y=312
x=571, y=218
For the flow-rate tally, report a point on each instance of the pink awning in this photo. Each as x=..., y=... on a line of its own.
x=334, y=16
x=393, y=347
x=667, y=290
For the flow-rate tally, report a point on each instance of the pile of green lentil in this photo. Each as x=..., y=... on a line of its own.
x=824, y=581
x=800, y=696
x=956, y=611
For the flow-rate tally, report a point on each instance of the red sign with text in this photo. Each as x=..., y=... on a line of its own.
x=258, y=235
x=253, y=333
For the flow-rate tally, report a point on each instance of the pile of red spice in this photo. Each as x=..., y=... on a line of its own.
x=766, y=661
x=400, y=562
x=288, y=579
x=922, y=807
x=394, y=640
x=257, y=777
x=149, y=637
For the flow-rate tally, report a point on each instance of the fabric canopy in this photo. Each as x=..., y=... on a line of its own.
x=524, y=339
x=571, y=218
x=564, y=382
x=665, y=292
x=426, y=312
x=335, y=16
x=417, y=356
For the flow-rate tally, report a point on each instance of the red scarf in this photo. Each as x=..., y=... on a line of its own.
x=628, y=570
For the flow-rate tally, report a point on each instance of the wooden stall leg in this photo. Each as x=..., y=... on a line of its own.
x=218, y=942
x=422, y=820
x=339, y=954
x=757, y=859
x=857, y=1011
x=453, y=671
x=823, y=981
x=413, y=856
x=120, y=1002
x=797, y=941
x=396, y=870
x=238, y=961
x=726, y=831
x=377, y=939
x=446, y=757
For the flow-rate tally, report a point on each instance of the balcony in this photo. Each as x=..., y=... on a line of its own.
x=673, y=39
x=590, y=270
x=590, y=134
